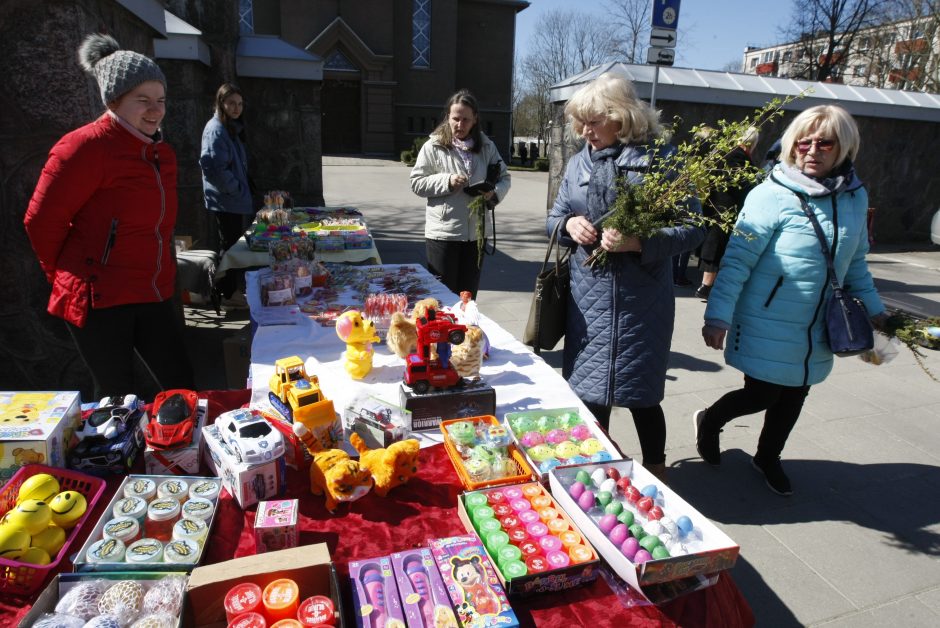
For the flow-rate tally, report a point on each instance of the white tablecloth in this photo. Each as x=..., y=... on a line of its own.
x=521, y=379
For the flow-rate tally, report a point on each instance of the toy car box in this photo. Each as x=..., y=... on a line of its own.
x=378, y=423
x=309, y=566
x=179, y=460
x=276, y=525
x=422, y=590
x=709, y=550
x=80, y=561
x=472, y=582
x=543, y=572
x=559, y=436
x=64, y=582
x=248, y=484
x=428, y=410
x=376, y=599
x=36, y=427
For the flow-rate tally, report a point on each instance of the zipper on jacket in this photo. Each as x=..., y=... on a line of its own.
x=155, y=164
x=112, y=236
x=613, y=338
x=773, y=292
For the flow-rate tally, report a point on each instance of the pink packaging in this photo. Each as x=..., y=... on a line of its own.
x=471, y=580
x=375, y=594
x=422, y=591
x=276, y=525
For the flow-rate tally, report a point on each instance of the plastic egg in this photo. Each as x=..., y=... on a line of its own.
x=41, y=486
x=660, y=552
x=586, y=501
x=626, y=518
x=67, y=508
x=649, y=542
x=598, y=476
x=566, y=450
x=531, y=439
x=632, y=495
x=613, y=473
x=642, y=556
x=655, y=513
x=547, y=465
x=630, y=547
x=684, y=524
x=614, y=508
x=591, y=447
x=35, y=556
x=31, y=515
x=556, y=436
x=603, y=498
x=607, y=523
x=654, y=527
x=584, y=478
x=51, y=539
x=670, y=526
x=541, y=453
x=623, y=484
x=576, y=489
x=650, y=490
x=569, y=419
x=547, y=423
x=608, y=485
x=523, y=424
x=644, y=504
x=581, y=432
x=13, y=541
x=637, y=531
x=618, y=534
x=601, y=456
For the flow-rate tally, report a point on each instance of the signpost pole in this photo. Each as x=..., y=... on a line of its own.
x=655, y=81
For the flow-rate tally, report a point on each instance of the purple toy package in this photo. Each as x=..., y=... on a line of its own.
x=471, y=582
x=426, y=602
x=375, y=595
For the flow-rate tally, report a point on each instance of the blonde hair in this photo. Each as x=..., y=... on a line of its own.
x=829, y=120
x=614, y=98
x=749, y=138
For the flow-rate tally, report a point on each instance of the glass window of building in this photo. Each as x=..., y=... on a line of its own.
x=246, y=17
x=421, y=34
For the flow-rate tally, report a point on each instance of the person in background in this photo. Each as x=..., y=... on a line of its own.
x=101, y=223
x=523, y=154
x=719, y=203
x=457, y=155
x=225, y=183
x=620, y=315
x=768, y=299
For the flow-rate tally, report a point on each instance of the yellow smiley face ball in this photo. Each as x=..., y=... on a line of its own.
x=31, y=515
x=41, y=486
x=67, y=508
x=51, y=539
x=13, y=542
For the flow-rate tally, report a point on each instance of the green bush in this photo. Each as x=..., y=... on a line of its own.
x=541, y=164
x=418, y=143
x=408, y=157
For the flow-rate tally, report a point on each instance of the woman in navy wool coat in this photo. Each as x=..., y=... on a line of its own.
x=620, y=315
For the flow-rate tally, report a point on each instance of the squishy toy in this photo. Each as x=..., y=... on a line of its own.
x=41, y=486
x=358, y=333
x=31, y=515
x=391, y=466
x=67, y=508
x=13, y=541
x=332, y=472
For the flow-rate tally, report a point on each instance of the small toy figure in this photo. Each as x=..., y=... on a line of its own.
x=470, y=574
x=389, y=467
x=466, y=309
x=333, y=472
x=358, y=333
x=402, y=336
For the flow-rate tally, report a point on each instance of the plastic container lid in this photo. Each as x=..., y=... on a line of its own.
x=181, y=551
x=124, y=529
x=191, y=529
x=513, y=569
x=508, y=553
x=144, y=488
x=198, y=508
x=130, y=507
x=317, y=610
x=106, y=551
x=280, y=599
x=144, y=551
x=244, y=597
x=163, y=509
x=248, y=620
x=176, y=488
x=288, y=622
x=473, y=500
x=207, y=489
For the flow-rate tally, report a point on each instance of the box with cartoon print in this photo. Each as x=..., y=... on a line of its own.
x=36, y=427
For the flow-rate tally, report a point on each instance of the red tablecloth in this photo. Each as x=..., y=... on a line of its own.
x=426, y=508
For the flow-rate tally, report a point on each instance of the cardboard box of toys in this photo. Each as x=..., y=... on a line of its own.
x=276, y=525
x=536, y=546
x=376, y=598
x=679, y=543
x=247, y=483
x=168, y=596
x=179, y=460
x=308, y=566
x=559, y=436
x=36, y=427
x=436, y=405
x=378, y=423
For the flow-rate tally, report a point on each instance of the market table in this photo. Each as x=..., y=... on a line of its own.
x=241, y=257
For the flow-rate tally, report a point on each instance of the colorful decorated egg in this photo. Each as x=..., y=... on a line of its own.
x=523, y=424
x=602, y=456
x=613, y=473
x=547, y=423
x=630, y=547
x=591, y=446
x=608, y=485
x=598, y=476
x=642, y=556
x=576, y=489
x=579, y=459
x=684, y=524
x=655, y=513
x=585, y=478
x=618, y=534
x=547, y=465
x=568, y=420
x=586, y=501
x=581, y=432
x=541, y=453
x=531, y=439
x=566, y=450
x=607, y=523
x=650, y=490
x=556, y=436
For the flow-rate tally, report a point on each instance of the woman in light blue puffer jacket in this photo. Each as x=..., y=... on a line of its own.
x=770, y=295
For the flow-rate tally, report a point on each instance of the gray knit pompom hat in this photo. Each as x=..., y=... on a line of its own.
x=117, y=71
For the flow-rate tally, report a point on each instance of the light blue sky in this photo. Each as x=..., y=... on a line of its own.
x=711, y=32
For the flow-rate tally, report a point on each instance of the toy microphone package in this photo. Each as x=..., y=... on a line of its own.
x=375, y=595
x=472, y=583
x=422, y=591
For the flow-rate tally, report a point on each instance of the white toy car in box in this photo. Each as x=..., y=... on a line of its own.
x=249, y=435
x=112, y=417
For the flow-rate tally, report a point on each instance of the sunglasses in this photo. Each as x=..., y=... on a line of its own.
x=825, y=146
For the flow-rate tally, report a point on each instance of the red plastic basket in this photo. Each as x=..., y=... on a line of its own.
x=24, y=579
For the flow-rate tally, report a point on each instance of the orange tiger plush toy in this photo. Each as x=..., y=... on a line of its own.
x=390, y=467
x=333, y=472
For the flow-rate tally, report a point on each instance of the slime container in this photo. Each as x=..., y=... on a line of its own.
x=144, y=551
x=131, y=507
x=557, y=526
x=473, y=500
x=316, y=611
x=243, y=598
x=144, y=488
x=198, y=508
x=248, y=620
x=540, y=501
x=488, y=526
x=513, y=569
x=176, y=489
x=181, y=552
x=206, y=489
x=106, y=551
x=288, y=622
x=161, y=516
x=508, y=553
x=124, y=529
x=280, y=599
x=190, y=530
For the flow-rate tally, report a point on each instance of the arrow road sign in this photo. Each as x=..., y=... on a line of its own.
x=663, y=37
x=666, y=14
x=661, y=56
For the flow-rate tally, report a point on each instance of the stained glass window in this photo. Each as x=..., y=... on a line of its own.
x=246, y=17
x=421, y=34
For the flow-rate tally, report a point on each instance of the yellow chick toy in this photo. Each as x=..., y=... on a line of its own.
x=358, y=333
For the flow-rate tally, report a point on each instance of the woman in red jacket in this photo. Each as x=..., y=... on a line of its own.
x=101, y=223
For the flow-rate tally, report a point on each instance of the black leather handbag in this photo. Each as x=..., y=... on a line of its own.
x=848, y=324
x=548, y=313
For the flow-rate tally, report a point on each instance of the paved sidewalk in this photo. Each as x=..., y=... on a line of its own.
x=858, y=543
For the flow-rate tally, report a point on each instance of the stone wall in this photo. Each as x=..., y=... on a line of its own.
x=896, y=161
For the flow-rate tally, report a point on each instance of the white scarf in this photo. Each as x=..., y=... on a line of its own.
x=463, y=150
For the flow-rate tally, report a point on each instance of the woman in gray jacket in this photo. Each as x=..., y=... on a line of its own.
x=458, y=155
x=224, y=163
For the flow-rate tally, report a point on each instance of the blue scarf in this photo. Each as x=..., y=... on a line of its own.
x=602, y=189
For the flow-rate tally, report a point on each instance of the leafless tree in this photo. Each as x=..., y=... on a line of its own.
x=631, y=21
x=908, y=58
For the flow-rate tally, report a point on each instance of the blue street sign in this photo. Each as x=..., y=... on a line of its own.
x=666, y=14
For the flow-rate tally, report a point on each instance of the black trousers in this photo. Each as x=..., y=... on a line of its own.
x=783, y=405
x=112, y=335
x=650, y=426
x=231, y=227
x=455, y=264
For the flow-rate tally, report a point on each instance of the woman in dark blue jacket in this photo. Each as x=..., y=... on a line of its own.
x=773, y=284
x=620, y=315
x=224, y=163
